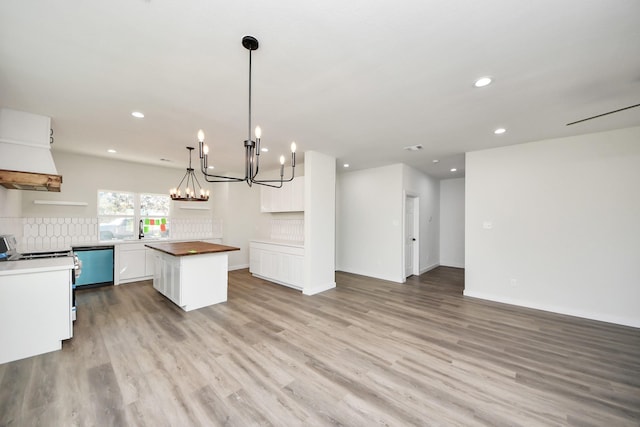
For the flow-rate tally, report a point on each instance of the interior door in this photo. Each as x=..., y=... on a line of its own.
x=409, y=235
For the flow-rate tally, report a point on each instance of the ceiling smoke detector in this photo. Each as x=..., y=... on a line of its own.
x=413, y=147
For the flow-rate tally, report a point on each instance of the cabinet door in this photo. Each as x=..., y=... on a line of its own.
x=268, y=264
x=174, y=292
x=254, y=260
x=291, y=269
x=289, y=198
x=132, y=264
x=149, y=262
x=158, y=273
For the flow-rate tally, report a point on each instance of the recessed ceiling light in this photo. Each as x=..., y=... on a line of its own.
x=453, y=169
x=436, y=161
x=499, y=131
x=482, y=81
x=137, y=114
x=346, y=165
x=211, y=167
x=264, y=149
x=111, y=150
x=413, y=147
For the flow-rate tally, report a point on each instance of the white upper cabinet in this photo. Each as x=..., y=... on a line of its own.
x=289, y=198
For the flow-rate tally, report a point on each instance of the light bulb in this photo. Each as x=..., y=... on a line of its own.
x=200, y=135
x=258, y=132
x=293, y=147
x=205, y=149
x=282, y=160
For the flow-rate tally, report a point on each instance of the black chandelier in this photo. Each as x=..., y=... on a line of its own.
x=252, y=148
x=191, y=193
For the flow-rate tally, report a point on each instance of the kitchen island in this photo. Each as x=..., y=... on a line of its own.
x=191, y=274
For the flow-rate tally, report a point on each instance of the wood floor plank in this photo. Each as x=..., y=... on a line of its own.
x=368, y=352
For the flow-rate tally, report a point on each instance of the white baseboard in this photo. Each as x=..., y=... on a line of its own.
x=318, y=289
x=277, y=282
x=429, y=268
x=238, y=267
x=369, y=274
x=452, y=264
x=634, y=323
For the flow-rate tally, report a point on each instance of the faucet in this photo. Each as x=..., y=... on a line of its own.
x=140, y=232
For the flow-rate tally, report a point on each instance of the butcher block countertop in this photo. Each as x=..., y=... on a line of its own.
x=190, y=248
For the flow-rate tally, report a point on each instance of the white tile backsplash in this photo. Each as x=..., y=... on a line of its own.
x=290, y=230
x=43, y=233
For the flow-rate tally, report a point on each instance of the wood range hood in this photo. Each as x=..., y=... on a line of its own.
x=26, y=162
x=15, y=180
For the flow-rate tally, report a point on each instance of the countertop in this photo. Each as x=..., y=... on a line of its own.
x=116, y=242
x=190, y=248
x=292, y=244
x=35, y=265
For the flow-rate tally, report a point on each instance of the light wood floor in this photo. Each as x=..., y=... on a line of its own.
x=366, y=353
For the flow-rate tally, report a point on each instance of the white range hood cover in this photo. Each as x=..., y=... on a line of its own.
x=24, y=142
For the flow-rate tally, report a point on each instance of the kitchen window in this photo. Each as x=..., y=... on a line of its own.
x=154, y=211
x=120, y=213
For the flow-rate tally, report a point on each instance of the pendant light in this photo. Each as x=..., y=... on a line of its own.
x=191, y=193
x=251, y=147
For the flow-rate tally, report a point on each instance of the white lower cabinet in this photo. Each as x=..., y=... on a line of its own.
x=35, y=309
x=132, y=262
x=166, y=278
x=279, y=263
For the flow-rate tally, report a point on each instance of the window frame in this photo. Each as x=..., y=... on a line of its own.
x=136, y=217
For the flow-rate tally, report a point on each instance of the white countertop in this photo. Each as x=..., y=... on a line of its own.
x=280, y=243
x=149, y=240
x=8, y=268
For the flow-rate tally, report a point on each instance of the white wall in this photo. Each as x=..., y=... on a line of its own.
x=555, y=225
x=452, y=222
x=83, y=176
x=238, y=206
x=10, y=203
x=319, y=222
x=369, y=222
x=428, y=191
x=370, y=218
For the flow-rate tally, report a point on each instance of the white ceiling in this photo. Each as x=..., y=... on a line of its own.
x=358, y=80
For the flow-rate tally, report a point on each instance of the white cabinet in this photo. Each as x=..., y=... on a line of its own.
x=279, y=263
x=166, y=278
x=35, y=307
x=148, y=262
x=135, y=262
x=289, y=198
